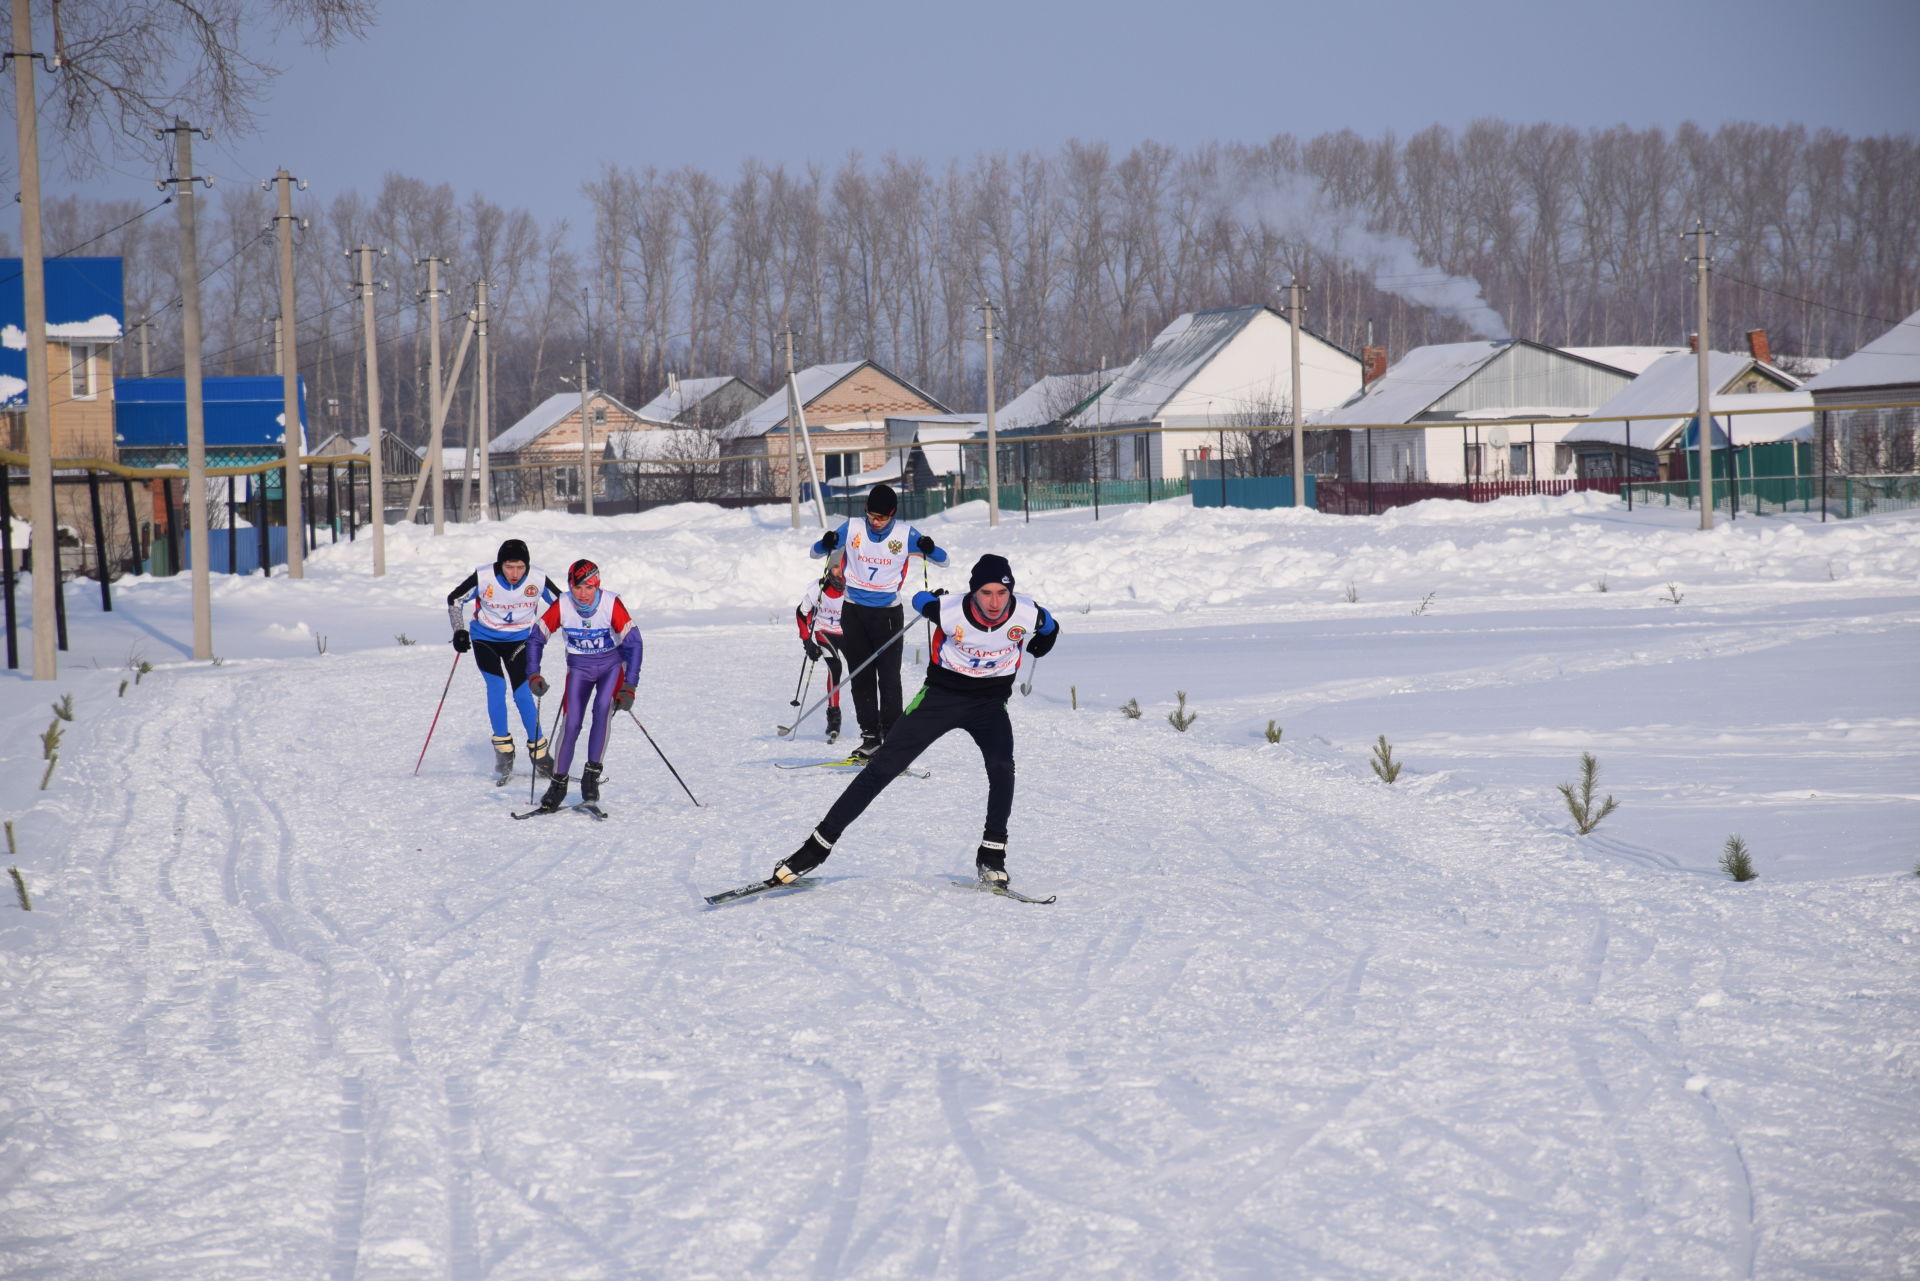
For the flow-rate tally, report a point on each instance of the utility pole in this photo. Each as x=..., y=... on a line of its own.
x=33, y=289
x=432, y=468
x=376, y=470
x=273, y=341
x=1703, y=425
x=586, y=443
x=1299, y=429
x=197, y=548
x=145, y=327
x=993, y=438
x=793, y=438
x=286, y=350
x=482, y=408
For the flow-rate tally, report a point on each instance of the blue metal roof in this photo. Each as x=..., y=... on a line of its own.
x=151, y=413
x=80, y=291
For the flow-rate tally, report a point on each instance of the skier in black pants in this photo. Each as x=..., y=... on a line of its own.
x=879, y=552
x=978, y=645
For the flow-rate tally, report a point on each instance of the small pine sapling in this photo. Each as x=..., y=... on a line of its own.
x=1274, y=731
x=123, y=688
x=1073, y=695
x=1673, y=596
x=1131, y=709
x=64, y=708
x=1180, y=718
x=1425, y=602
x=404, y=639
x=1353, y=594
x=1579, y=797
x=140, y=670
x=50, y=741
x=1383, y=763
x=47, y=777
x=1600, y=583
x=20, y=888
x=1736, y=860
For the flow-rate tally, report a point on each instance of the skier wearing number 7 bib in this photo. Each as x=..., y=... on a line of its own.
x=603, y=665
x=979, y=642
x=879, y=552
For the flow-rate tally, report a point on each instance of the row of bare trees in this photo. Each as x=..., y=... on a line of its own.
x=1573, y=237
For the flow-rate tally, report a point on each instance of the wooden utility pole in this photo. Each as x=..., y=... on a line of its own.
x=1299, y=419
x=33, y=289
x=586, y=443
x=482, y=407
x=285, y=349
x=993, y=438
x=197, y=541
x=1703, y=425
x=431, y=467
x=376, y=469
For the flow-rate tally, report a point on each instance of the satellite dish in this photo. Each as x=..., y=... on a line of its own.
x=1497, y=437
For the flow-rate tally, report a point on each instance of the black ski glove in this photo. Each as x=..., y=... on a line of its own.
x=462, y=642
x=813, y=650
x=830, y=540
x=538, y=684
x=623, y=701
x=925, y=546
x=1040, y=644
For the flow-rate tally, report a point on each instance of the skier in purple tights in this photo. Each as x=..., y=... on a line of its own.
x=603, y=665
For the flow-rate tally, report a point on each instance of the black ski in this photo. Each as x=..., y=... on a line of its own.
x=593, y=808
x=583, y=807
x=760, y=887
x=1004, y=891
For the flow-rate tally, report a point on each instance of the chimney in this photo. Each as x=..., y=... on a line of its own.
x=1693, y=343
x=1758, y=345
x=1373, y=364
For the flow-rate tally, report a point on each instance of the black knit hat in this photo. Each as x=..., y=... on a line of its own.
x=512, y=549
x=990, y=569
x=882, y=501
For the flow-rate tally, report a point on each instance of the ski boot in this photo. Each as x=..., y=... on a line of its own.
x=990, y=863
x=833, y=724
x=556, y=794
x=869, y=744
x=502, y=760
x=590, y=784
x=811, y=854
x=542, y=758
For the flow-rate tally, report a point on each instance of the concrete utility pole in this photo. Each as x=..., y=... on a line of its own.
x=197, y=540
x=145, y=327
x=1294, y=289
x=33, y=289
x=431, y=468
x=286, y=352
x=482, y=409
x=586, y=443
x=993, y=436
x=793, y=439
x=1704, y=423
x=376, y=469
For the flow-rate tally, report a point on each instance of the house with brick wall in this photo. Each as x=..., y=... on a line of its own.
x=846, y=407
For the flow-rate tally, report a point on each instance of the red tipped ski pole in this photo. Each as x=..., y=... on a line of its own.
x=436, y=712
x=664, y=761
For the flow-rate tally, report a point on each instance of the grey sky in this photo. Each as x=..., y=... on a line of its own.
x=523, y=101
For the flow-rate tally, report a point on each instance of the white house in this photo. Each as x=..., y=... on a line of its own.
x=1651, y=416
x=1473, y=410
x=1230, y=367
x=709, y=403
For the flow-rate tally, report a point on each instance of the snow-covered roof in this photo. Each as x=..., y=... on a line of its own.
x=814, y=380
x=1053, y=396
x=1414, y=382
x=1139, y=392
x=1891, y=360
x=453, y=460
x=1663, y=400
x=544, y=417
x=1632, y=360
x=681, y=395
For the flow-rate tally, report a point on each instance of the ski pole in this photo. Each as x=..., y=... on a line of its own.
x=664, y=761
x=1026, y=686
x=808, y=685
x=786, y=730
x=436, y=711
x=804, y=675
x=533, y=775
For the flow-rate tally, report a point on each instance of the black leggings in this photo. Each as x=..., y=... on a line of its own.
x=933, y=713
x=876, y=691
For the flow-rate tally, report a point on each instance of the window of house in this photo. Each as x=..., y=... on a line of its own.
x=1518, y=462
x=566, y=482
x=599, y=415
x=82, y=372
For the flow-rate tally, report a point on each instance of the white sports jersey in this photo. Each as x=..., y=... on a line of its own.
x=879, y=566
x=593, y=631
x=499, y=608
x=824, y=608
x=971, y=650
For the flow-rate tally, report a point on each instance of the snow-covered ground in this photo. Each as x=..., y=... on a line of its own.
x=284, y=1009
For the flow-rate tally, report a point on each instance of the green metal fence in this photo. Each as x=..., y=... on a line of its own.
x=1018, y=499
x=1845, y=496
